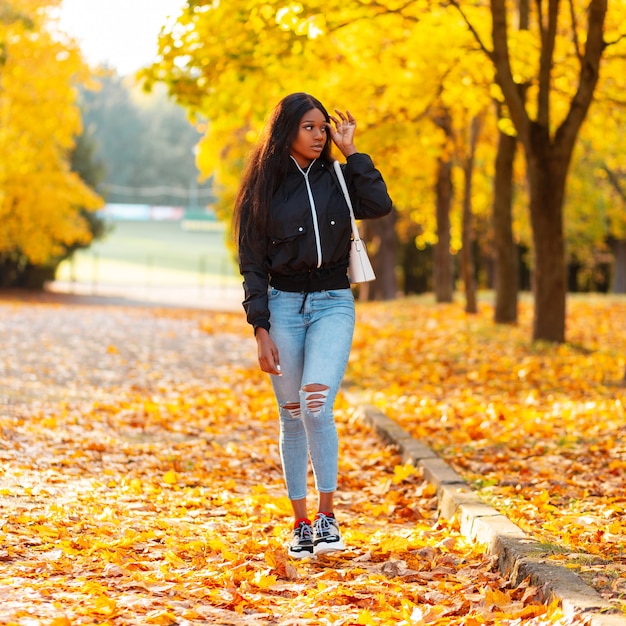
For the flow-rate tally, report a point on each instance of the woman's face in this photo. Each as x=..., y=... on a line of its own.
x=311, y=138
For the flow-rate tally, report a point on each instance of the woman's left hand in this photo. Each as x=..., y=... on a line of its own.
x=343, y=132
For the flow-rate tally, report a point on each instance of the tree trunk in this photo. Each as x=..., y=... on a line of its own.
x=468, y=267
x=507, y=263
x=547, y=172
x=443, y=277
x=382, y=234
x=507, y=255
x=549, y=275
x=618, y=284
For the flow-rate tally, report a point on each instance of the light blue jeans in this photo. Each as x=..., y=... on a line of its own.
x=313, y=335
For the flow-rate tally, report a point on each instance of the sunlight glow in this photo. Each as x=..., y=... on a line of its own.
x=118, y=33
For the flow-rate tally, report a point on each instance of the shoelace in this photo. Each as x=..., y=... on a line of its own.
x=304, y=531
x=324, y=524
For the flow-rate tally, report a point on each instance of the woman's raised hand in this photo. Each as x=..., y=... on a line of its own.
x=343, y=132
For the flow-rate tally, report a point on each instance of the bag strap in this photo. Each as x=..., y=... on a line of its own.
x=344, y=188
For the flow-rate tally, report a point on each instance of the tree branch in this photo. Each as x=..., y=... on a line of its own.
x=472, y=30
x=545, y=64
x=615, y=182
x=383, y=10
x=504, y=77
x=615, y=41
x=575, y=39
x=540, y=19
x=566, y=134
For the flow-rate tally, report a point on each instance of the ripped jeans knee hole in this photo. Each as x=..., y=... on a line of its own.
x=312, y=397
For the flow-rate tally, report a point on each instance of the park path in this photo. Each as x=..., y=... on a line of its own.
x=140, y=483
x=226, y=296
x=65, y=347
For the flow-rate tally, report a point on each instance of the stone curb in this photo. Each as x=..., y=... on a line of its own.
x=519, y=556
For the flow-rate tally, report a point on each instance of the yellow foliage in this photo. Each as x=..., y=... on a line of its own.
x=170, y=477
x=402, y=472
x=394, y=64
x=40, y=198
x=552, y=418
x=387, y=62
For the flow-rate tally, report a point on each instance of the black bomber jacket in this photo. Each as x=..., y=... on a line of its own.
x=307, y=247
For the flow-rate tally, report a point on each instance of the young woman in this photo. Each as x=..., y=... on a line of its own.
x=293, y=227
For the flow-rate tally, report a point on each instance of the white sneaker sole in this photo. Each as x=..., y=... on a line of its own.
x=323, y=547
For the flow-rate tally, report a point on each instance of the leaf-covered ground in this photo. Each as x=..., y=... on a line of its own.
x=140, y=484
x=539, y=430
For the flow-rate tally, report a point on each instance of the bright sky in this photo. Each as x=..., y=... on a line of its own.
x=121, y=33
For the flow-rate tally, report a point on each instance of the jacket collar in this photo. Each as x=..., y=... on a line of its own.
x=304, y=172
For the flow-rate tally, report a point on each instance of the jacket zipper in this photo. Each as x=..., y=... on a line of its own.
x=316, y=228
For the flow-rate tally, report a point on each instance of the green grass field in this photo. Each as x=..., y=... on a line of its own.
x=154, y=253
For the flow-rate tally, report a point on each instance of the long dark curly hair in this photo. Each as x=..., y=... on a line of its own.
x=268, y=164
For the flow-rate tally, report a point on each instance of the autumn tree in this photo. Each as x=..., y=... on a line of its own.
x=468, y=268
x=443, y=264
x=507, y=262
x=459, y=89
x=547, y=132
x=41, y=199
x=505, y=250
x=596, y=200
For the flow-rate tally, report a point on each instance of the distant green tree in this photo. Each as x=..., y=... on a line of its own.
x=113, y=123
x=86, y=164
x=146, y=145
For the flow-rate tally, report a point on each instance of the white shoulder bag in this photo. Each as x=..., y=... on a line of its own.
x=360, y=269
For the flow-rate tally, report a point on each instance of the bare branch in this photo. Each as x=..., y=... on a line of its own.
x=616, y=101
x=589, y=73
x=615, y=182
x=615, y=41
x=546, y=59
x=523, y=14
x=472, y=29
x=382, y=10
x=575, y=39
x=540, y=18
x=504, y=77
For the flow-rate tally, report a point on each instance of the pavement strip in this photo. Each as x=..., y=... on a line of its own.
x=520, y=557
